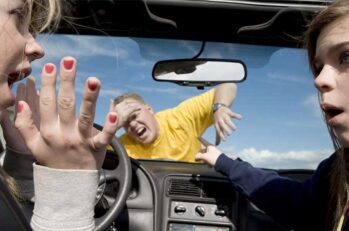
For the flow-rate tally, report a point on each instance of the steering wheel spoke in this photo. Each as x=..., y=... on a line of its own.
x=118, y=184
x=113, y=175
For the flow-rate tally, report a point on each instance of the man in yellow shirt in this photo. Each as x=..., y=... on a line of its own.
x=172, y=133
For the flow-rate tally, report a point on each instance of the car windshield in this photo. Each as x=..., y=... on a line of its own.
x=281, y=126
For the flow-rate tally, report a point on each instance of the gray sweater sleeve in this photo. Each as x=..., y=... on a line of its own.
x=64, y=199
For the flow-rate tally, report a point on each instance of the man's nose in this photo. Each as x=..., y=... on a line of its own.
x=133, y=123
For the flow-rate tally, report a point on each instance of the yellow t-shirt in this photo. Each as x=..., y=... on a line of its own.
x=179, y=129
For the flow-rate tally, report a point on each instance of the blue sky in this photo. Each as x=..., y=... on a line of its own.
x=281, y=127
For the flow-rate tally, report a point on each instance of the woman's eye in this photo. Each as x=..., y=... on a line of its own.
x=344, y=58
x=20, y=14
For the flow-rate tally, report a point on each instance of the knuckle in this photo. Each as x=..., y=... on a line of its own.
x=66, y=103
x=46, y=100
x=48, y=135
x=68, y=143
x=98, y=145
x=85, y=119
x=19, y=124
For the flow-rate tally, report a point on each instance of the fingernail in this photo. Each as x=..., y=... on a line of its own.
x=92, y=85
x=19, y=107
x=49, y=68
x=68, y=64
x=112, y=118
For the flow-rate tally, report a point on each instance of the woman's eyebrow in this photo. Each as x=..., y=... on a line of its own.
x=338, y=46
x=331, y=49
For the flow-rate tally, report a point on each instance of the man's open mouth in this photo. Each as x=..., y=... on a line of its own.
x=141, y=131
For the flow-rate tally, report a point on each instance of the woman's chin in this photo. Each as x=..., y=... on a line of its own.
x=344, y=138
x=6, y=102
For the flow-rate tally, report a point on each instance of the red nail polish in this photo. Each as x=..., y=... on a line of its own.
x=49, y=68
x=113, y=118
x=92, y=85
x=19, y=107
x=68, y=64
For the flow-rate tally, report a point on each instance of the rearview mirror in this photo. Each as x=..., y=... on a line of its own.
x=199, y=72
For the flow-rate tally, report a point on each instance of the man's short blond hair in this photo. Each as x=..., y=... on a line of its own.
x=129, y=95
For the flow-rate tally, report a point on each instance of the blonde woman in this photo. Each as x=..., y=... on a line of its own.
x=66, y=168
x=322, y=202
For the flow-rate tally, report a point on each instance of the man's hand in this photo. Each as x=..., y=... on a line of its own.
x=223, y=124
x=125, y=110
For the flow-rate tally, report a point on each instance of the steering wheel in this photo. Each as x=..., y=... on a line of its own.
x=123, y=175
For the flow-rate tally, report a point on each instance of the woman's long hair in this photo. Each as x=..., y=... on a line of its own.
x=339, y=177
x=45, y=15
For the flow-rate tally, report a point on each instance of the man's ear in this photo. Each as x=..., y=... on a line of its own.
x=149, y=108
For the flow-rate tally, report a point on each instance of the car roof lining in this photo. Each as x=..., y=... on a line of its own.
x=228, y=21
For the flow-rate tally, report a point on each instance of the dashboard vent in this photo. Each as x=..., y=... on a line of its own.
x=184, y=188
x=203, y=189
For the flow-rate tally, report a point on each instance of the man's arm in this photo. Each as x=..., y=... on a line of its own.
x=223, y=99
x=225, y=93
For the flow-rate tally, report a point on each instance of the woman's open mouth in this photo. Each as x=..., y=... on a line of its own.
x=332, y=113
x=12, y=79
x=17, y=76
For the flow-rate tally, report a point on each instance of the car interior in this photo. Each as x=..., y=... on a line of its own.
x=167, y=195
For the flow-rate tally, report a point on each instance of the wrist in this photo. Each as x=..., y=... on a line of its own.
x=217, y=106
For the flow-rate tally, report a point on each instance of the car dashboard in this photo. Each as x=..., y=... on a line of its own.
x=177, y=196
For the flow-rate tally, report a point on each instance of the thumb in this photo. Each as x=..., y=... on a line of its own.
x=199, y=156
x=25, y=123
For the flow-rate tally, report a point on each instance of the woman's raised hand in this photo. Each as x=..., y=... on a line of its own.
x=62, y=140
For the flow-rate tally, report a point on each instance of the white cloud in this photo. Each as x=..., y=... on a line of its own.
x=108, y=93
x=153, y=89
x=78, y=46
x=288, y=78
x=312, y=103
x=304, y=159
x=112, y=93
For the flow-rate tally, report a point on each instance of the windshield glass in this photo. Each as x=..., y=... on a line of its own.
x=282, y=125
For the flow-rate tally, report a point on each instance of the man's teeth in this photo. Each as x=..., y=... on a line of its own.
x=140, y=131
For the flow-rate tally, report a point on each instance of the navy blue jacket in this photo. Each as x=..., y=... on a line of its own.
x=298, y=205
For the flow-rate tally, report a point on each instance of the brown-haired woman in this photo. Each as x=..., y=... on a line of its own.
x=321, y=202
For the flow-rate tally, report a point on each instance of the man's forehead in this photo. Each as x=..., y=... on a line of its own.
x=132, y=101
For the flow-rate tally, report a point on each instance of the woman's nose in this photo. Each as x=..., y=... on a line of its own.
x=325, y=81
x=33, y=50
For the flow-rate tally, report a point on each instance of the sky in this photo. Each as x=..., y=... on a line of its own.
x=282, y=126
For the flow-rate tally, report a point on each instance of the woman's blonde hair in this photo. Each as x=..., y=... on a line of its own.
x=339, y=177
x=45, y=15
